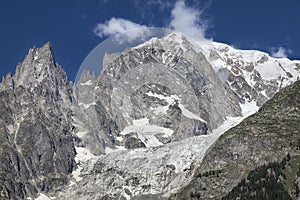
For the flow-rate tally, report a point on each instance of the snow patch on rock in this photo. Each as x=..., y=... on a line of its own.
x=86, y=106
x=42, y=197
x=83, y=156
x=146, y=132
x=89, y=82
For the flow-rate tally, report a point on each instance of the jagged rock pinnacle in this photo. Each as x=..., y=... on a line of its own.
x=36, y=65
x=47, y=47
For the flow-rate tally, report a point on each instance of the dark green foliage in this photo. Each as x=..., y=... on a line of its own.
x=262, y=138
x=265, y=182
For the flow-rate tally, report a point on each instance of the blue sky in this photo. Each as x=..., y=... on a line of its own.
x=76, y=27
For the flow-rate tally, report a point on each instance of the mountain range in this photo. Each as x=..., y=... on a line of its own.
x=171, y=118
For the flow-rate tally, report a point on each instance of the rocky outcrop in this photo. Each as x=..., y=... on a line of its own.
x=37, y=151
x=154, y=109
x=252, y=75
x=165, y=81
x=265, y=137
x=142, y=127
x=204, y=85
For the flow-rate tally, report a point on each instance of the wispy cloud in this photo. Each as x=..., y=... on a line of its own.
x=280, y=52
x=183, y=18
x=188, y=20
x=119, y=27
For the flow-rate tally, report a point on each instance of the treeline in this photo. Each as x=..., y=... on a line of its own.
x=265, y=182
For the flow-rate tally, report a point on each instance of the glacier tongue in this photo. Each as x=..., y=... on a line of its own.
x=169, y=100
x=145, y=124
x=153, y=170
x=138, y=131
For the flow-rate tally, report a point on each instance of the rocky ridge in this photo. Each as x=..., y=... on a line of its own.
x=198, y=77
x=265, y=137
x=129, y=89
x=253, y=75
x=37, y=151
x=142, y=126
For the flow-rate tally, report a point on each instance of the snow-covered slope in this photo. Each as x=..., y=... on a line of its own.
x=146, y=86
x=254, y=75
x=167, y=83
x=151, y=171
x=140, y=129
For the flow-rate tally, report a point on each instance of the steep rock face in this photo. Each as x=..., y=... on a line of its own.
x=252, y=75
x=179, y=56
x=152, y=107
x=37, y=151
x=178, y=85
x=140, y=129
x=88, y=116
x=165, y=84
x=265, y=137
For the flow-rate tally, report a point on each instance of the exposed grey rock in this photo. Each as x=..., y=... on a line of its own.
x=147, y=82
x=37, y=151
x=252, y=75
x=152, y=111
x=7, y=82
x=131, y=141
x=265, y=137
x=165, y=83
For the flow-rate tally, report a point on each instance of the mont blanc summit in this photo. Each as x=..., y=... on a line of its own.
x=148, y=126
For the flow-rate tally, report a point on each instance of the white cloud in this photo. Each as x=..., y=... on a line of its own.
x=280, y=52
x=119, y=28
x=188, y=20
x=183, y=19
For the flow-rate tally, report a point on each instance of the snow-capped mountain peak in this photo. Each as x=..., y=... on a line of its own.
x=142, y=127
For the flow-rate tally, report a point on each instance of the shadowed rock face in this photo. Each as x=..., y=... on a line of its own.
x=152, y=82
x=158, y=79
x=36, y=151
x=265, y=137
x=131, y=142
x=158, y=103
x=156, y=82
x=252, y=75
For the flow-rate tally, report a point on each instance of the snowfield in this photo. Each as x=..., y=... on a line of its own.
x=147, y=162
x=165, y=168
